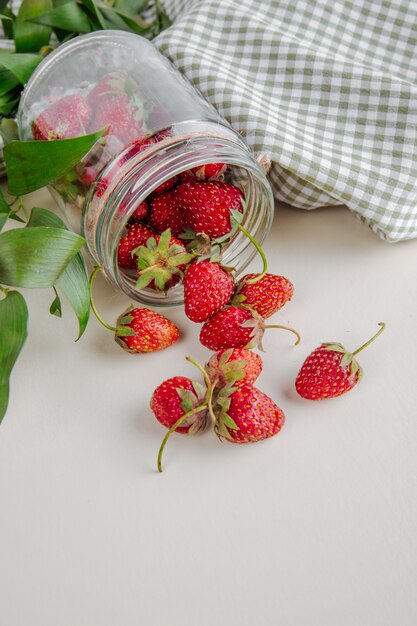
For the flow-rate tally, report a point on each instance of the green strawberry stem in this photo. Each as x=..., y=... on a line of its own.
x=286, y=328
x=210, y=387
x=173, y=428
x=365, y=345
x=259, y=249
x=93, y=306
x=207, y=404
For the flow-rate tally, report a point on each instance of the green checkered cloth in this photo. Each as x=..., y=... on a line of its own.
x=326, y=88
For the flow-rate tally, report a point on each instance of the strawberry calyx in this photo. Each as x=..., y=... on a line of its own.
x=257, y=323
x=226, y=371
x=347, y=360
x=223, y=422
x=161, y=262
x=188, y=404
x=122, y=328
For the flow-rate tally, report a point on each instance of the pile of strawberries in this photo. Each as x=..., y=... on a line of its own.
x=177, y=235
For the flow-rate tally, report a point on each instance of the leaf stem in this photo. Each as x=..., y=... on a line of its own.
x=260, y=251
x=286, y=328
x=174, y=427
x=97, y=268
x=365, y=345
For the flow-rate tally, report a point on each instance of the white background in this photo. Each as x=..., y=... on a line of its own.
x=315, y=527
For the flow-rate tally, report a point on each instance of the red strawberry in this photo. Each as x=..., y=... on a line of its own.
x=166, y=186
x=234, y=327
x=175, y=397
x=165, y=213
x=141, y=212
x=65, y=118
x=224, y=329
x=208, y=205
x=162, y=262
x=136, y=235
x=142, y=330
x=247, y=415
x=330, y=370
x=265, y=296
x=234, y=365
x=209, y=171
x=115, y=103
x=207, y=288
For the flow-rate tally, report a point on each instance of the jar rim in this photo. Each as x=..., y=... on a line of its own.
x=104, y=222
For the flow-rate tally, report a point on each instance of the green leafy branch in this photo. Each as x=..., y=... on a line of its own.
x=41, y=254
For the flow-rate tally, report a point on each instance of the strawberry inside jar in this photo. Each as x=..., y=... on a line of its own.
x=168, y=180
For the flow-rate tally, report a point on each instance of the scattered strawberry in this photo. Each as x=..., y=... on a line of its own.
x=234, y=327
x=209, y=171
x=65, y=118
x=330, y=371
x=174, y=398
x=208, y=206
x=265, y=296
x=143, y=330
x=136, y=235
x=161, y=262
x=165, y=213
x=246, y=415
x=207, y=288
x=234, y=365
x=115, y=102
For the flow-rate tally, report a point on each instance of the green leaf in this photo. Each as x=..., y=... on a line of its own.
x=13, y=333
x=131, y=7
x=36, y=257
x=95, y=13
x=20, y=65
x=28, y=36
x=56, y=308
x=68, y=17
x=188, y=399
x=73, y=281
x=7, y=19
x=133, y=23
x=34, y=164
x=8, y=130
x=4, y=210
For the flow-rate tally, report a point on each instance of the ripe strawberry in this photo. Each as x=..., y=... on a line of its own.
x=174, y=398
x=166, y=186
x=208, y=205
x=165, y=213
x=209, y=171
x=207, y=288
x=162, y=262
x=142, y=330
x=246, y=415
x=115, y=102
x=234, y=327
x=65, y=118
x=330, y=370
x=234, y=365
x=136, y=235
x=265, y=296
x=226, y=329
x=141, y=212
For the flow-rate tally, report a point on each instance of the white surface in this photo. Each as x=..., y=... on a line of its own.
x=314, y=527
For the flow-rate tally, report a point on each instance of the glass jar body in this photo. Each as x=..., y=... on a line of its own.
x=158, y=130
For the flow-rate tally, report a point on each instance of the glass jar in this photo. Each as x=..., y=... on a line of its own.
x=160, y=133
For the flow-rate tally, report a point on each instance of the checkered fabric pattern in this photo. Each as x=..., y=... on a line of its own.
x=326, y=88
